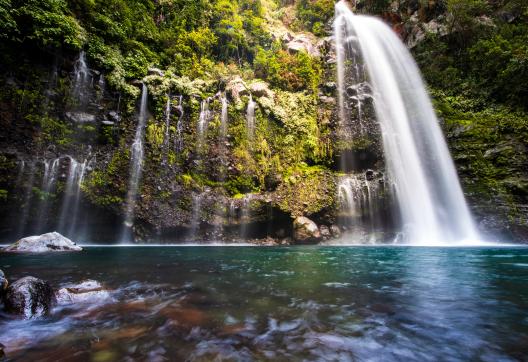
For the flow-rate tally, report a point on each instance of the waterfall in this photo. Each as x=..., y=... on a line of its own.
x=179, y=126
x=203, y=123
x=360, y=198
x=26, y=203
x=245, y=216
x=166, y=140
x=82, y=82
x=48, y=184
x=250, y=118
x=71, y=196
x=223, y=119
x=418, y=162
x=196, y=215
x=136, y=165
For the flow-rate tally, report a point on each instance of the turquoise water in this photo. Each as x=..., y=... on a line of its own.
x=281, y=304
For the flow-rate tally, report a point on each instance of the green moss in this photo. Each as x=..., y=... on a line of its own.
x=306, y=190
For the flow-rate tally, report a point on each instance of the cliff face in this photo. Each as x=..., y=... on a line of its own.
x=212, y=169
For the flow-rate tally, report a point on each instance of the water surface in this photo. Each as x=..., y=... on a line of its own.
x=288, y=303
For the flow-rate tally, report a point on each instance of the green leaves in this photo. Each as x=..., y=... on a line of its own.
x=46, y=23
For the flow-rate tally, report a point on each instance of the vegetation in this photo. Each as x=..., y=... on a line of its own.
x=477, y=70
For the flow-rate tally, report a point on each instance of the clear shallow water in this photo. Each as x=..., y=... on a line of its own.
x=298, y=303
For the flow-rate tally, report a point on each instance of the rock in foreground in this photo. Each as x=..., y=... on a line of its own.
x=43, y=243
x=29, y=297
x=88, y=291
x=3, y=283
x=306, y=231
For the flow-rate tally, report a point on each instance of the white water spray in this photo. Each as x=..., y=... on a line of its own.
x=136, y=166
x=429, y=194
x=250, y=118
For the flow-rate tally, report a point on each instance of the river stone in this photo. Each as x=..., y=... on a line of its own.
x=88, y=291
x=325, y=232
x=43, y=243
x=305, y=230
x=3, y=282
x=29, y=297
x=335, y=230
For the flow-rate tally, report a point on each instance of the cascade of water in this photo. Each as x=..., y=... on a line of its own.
x=166, y=140
x=68, y=195
x=49, y=181
x=359, y=199
x=203, y=123
x=196, y=215
x=80, y=173
x=81, y=83
x=429, y=194
x=250, y=118
x=223, y=118
x=136, y=166
x=245, y=215
x=26, y=204
x=179, y=126
x=101, y=84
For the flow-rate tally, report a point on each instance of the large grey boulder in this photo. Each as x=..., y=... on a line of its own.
x=88, y=291
x=3, y=282
x=305, y=231
x=29, y=297
x=43, y=243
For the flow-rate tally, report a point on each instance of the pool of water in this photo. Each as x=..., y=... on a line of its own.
x=280, y=304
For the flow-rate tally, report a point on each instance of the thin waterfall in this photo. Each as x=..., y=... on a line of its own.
x=223, y=118
x=26, y=203
x=360, y=197
x=82, y=83
x=221, y=207
x=245, y=216
x=250, y=118
x=136, y=166
x=68, y=195
x=166, y=140
x=196, y=215
x=418, y=162
x=49, y=181
x=80, y=174
x=179, y=125
x=203, y=123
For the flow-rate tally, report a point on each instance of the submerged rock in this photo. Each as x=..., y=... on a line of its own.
x=43, y=243
x=88, y=291
x=305, y=230
x=29, y=297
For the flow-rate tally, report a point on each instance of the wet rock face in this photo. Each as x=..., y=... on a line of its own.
x=43, y=243
x=88, y=291
x=3, y=283
x=305, y=231
x=29, y=297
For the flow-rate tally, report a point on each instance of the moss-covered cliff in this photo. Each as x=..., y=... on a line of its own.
x=228, y=182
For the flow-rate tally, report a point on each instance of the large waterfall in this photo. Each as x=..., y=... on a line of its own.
x=136, y=166
x=417, y=159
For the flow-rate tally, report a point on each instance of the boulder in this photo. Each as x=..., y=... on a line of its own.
x=29, y=297
x=325, y=232
x=3, y=282
x=43, y=243
x=236, y=88
x=156, y=71
x=88, y=291
x=261, y=89
x=335, y=231
x=80, y=117
x=303, y=42
x=305, y=230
